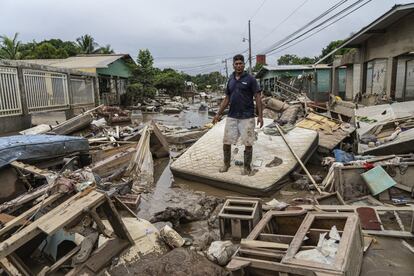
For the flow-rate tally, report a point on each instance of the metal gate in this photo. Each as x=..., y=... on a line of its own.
x=82, y=91
x=10, y=102
x=45, y=90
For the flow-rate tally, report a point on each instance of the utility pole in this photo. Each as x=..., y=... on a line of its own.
x=250, y=51
x=225, y=66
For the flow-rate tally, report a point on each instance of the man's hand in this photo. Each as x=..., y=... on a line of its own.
x=260, y=122
x=216, y=119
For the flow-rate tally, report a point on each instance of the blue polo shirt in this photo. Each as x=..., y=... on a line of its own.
x=241, y=93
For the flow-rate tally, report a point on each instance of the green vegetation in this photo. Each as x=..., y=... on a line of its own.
x=12, y=48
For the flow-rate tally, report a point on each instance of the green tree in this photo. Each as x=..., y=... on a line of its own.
x=87, y=44
x=332, y=46
x=257, y=67
x=10, y=47
x=46, y=50
x=290, y=59
x=106, y=50
x=171, y=81
x=145, y=72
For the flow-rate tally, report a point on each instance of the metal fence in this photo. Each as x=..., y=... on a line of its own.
x=10, y=103
x=45, y=90
x=82, y=91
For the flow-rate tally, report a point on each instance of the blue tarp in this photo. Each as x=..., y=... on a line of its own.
x=39, y=147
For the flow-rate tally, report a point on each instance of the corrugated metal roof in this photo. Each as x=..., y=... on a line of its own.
x=296, y=67
x=86, y=61
x=290, y=67
x=378, y=25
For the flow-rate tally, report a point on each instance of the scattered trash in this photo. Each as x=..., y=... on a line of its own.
x=220, y=252
x=171, y=237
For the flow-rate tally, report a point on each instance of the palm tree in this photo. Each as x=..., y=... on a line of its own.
x=10, y=47
x=106, y=50
x=87, y=44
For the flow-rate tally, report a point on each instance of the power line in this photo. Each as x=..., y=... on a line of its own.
x=321, y=29
x=257, y=10
x=283, y=21
x=315, y=27
x=305, y=26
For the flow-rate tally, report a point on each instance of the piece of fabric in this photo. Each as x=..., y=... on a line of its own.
x=239, y=131
x=241, y=93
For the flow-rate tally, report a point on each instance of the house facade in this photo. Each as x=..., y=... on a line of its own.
x=112, y=70
x=380, y=64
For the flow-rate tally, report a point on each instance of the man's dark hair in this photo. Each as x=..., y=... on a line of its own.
x=238, y=57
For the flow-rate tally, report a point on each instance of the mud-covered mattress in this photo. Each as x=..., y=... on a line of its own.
x=201, y=162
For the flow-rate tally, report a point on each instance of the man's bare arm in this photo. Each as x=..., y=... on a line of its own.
x=223, y=106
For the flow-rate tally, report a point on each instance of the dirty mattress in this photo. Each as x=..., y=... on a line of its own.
x=201, y=162
x=39, y=147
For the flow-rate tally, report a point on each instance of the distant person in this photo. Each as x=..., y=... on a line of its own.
x=241, y=89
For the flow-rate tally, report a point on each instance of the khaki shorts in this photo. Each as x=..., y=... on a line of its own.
x=242, y=129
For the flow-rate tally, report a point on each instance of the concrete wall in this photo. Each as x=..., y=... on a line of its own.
x=385, y=50
x=12, y=124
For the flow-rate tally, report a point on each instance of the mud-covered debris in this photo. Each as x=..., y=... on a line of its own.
x=178, y=262
x=220, y=252
x=171, y=237
x=175, y=215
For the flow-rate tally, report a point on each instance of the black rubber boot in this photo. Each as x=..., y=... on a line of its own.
x=248, y=156
x=227, y=158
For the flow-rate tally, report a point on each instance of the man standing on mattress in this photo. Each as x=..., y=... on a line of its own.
x=241, y=89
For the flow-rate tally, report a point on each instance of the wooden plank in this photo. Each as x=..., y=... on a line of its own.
x=50, y=222
x=101, y=257
x=16, y=203
x=352, y=208
x=9, y=267
x=115, y=220
x=390, y=233
x=19, y=264
x=109, y=165
x=262, y=244
x=73, y=124
x=235, y=264
x=22, y=217
x=101, y=227
x=275, y=238
x=32, y=169
x=68, y=211
x=261, y=253
x=274, y=266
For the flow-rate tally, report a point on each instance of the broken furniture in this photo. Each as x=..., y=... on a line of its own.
x=331, y=131
x=272, y=246
x=393, y=221
x=349, y=183
x=81, y=211
x=238, y=217
x=330, y=199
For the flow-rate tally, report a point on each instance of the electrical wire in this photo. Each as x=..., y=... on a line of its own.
x=317, y=26
x=312, y=34
x=304, y=27
x=283, y=21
